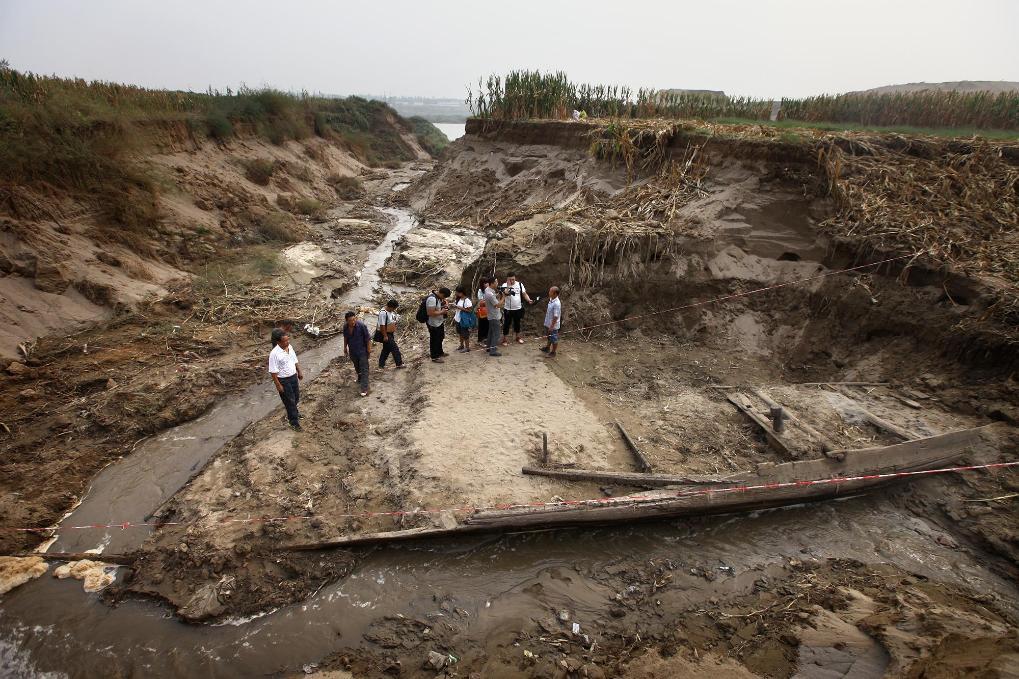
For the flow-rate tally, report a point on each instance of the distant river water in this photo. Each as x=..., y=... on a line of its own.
x=452, y=130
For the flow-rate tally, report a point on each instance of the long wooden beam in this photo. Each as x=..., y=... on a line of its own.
x=625, y=478
x=917, y=455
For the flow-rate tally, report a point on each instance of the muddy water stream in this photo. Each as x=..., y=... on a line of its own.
x=501, y=582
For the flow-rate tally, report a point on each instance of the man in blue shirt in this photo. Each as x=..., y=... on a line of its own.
x=357, y=343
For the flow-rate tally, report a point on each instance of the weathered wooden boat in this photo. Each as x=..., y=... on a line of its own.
x=851, y=472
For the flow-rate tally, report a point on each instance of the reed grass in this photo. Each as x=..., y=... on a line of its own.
x=537, y=95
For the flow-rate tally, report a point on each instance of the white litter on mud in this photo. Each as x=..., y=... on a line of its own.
x=95, y=575
x=16, y=571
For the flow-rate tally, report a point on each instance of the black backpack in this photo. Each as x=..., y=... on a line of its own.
x=422, y=314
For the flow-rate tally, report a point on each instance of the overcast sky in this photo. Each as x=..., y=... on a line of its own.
x=768, y=48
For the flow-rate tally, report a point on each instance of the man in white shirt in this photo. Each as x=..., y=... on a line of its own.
x=286, y=374
x=513, y=312
x=553, y=321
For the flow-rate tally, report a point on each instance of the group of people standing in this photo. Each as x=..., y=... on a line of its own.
x=494, y=312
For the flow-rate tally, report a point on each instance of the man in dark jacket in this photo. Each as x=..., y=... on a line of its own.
x=357, y=343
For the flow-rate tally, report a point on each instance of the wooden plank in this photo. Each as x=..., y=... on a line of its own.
x=773, y=439
x=626, y=478
x=363, y=539
x=120, y=559
x=642, y=462
x=897, y=457
x=793, y=417
x=927, y=453
x=880, y=422
x=909, y=456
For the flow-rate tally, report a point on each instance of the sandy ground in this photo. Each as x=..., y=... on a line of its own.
x=483, y=421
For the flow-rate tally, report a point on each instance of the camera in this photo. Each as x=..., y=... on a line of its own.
x=506, y=290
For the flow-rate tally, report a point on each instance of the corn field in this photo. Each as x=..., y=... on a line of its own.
x=535, y=95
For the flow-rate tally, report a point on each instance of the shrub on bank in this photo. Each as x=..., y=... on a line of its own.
x=259, y=170
x=429, y=136
x=347, y=188
x=279, y=227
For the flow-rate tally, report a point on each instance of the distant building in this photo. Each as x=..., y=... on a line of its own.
x=712, y=93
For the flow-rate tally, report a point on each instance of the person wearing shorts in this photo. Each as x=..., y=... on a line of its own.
x=463, y=319
x=553, y=321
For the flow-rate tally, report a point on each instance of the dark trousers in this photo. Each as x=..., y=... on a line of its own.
x=435, y=337
x=494, y=333
x=290, y=395
x=511, y=317
x=360, y=362
x=483, y=329
x=389, y=347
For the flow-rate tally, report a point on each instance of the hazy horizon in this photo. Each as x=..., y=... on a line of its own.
x=775, y=48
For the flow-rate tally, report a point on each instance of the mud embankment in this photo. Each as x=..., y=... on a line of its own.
x=693, y=216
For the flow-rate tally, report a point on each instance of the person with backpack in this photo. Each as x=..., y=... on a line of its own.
x=465, y=319
x=432, y=313
x=357, y=344
x=385, y=334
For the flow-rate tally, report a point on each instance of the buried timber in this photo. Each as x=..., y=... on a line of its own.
x=721, y=337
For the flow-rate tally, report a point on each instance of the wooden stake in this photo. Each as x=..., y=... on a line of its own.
x=774, y=440
x=826, y=445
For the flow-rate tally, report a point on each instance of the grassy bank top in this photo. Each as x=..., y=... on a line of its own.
x=35, y=107
x=533, y=94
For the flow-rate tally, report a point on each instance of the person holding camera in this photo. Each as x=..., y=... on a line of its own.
x=494, y=301
x=516, y=295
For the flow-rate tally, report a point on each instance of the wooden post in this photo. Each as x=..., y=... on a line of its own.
x=789, y=415
x=544, y=448
x=741, y=401
x=778, y=419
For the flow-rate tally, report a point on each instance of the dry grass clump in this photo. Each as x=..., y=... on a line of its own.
x=347, y=188
x=259, y=170
x=279, y=227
